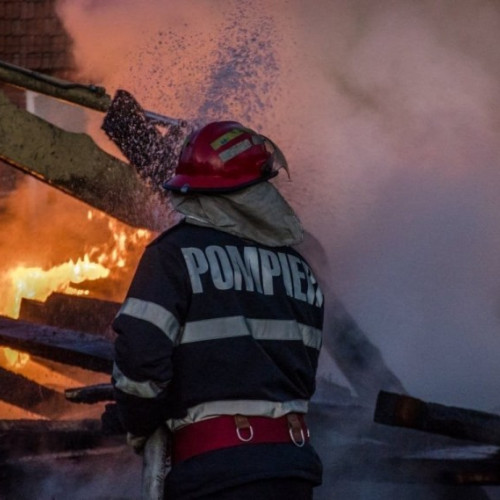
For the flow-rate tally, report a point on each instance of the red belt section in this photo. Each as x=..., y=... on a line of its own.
x=228, y=430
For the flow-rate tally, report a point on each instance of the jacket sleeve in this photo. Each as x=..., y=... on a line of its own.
x=148, y=326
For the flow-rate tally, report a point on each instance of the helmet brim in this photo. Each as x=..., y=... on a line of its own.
x=204, y=184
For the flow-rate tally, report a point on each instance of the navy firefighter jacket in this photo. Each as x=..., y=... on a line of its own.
x=214, y=324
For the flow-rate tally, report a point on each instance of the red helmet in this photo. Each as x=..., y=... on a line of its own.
x=223, y=157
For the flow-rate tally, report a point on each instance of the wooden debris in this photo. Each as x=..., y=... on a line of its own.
x=71, y=312
x=74, y=164
x=65, y=346
x=90, y=394
x=32, y=437
x=404, y=411
x=19, y=391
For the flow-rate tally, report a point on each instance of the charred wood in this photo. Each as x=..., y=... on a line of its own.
x=24, y=393
x=460, y=423
x=74, y=164
x=65, y=346
x=33, y=427
x=31, y=437
x=90, y=394
x=76, y=374
x=71, y=312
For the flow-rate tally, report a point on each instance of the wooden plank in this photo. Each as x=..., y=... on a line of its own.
x=405, y=411
x=37, y=437
x=90, y=394
x=74, y=164
x=24, y=393
x=71, y=312
x=65, y=346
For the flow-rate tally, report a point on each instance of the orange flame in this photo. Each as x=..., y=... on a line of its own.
x=15, y=359
x=33, y=282
x=36, y=283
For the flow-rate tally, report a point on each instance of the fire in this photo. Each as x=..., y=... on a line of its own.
x=37, y=284
x=15, y=359
x=123, y=239
x=99, y=262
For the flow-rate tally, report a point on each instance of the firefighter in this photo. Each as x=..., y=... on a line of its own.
x=220, y=332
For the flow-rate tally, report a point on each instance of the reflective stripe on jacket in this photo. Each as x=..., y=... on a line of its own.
x=215, y=324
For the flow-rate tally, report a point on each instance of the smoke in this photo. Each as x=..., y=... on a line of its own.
x=111, y=473
x=388, y=114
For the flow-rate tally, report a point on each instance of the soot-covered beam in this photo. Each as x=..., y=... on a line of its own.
x=65, y=346
x=32, y=437
x=71, y=312
x=19, y=391
x=405, y=411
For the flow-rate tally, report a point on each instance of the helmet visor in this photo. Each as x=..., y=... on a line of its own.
x=276, y=161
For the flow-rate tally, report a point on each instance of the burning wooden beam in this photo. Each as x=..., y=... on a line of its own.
x=404, y=411
x=74, y=164
x=71, y=312
x=65, y=346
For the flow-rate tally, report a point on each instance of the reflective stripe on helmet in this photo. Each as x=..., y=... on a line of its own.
x=222, y=157
x=235, y=150
x=224, y=139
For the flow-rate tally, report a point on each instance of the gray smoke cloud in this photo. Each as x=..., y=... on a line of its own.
x=388, y=114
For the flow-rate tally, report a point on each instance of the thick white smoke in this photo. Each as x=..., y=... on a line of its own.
x=388, y=114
